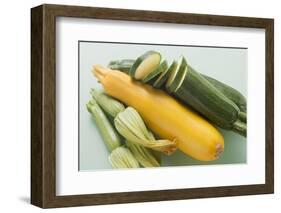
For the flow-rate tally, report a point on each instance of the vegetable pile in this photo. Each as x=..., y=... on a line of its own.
x=146, y=96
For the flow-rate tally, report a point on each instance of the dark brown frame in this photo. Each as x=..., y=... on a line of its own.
x=43, y=105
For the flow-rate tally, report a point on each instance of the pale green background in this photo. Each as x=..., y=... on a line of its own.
x=228, y=65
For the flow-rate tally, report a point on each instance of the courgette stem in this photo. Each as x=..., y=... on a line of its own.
x=118, y=65
x=124, y=64
x=240, y=128
x=242, y=116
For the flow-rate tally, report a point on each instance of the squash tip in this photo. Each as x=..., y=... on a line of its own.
x=172, y=147
x=99, y=72
x=219, y=150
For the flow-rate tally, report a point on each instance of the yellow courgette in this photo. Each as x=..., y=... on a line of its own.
x=164, y=115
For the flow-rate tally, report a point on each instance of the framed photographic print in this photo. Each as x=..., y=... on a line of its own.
x=135, y=106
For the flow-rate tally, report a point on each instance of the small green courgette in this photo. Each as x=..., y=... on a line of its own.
x=111, y=106
x=108, y=133
x=120, y=157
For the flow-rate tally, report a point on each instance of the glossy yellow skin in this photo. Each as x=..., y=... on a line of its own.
x=164, y=115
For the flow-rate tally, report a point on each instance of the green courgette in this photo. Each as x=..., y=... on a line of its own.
x=145, y=64
x=229, y=92
x=196, y=91
x=109, y=105
x=110, y=136
x=228, y=106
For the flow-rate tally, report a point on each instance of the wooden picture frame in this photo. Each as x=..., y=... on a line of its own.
x=43, y=105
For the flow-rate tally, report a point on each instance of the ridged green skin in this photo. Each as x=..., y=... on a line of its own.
x=201, y=95
x=139, y=60
x=229, y=92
